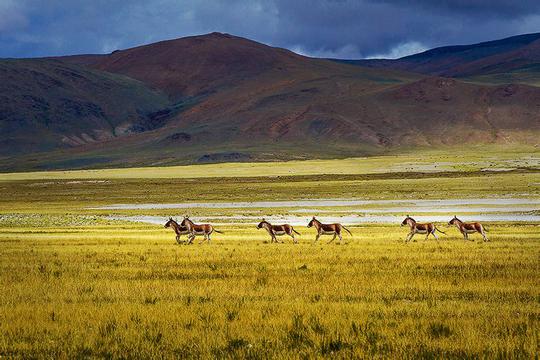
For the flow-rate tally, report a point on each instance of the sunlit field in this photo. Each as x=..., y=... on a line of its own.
x=77, y=284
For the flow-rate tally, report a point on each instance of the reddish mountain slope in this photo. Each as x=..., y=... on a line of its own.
x=346, y=113
x=233, y=99
x=199, y=64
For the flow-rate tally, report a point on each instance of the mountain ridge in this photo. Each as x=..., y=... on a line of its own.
x=219, y=97
x=462, y=61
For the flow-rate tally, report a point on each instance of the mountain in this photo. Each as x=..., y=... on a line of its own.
x=219, y=97
x=485, y=62
x=199, y=65
x=47, y=104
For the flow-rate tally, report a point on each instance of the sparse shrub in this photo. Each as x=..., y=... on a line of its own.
x=42, y=268
x=153, y=336
x=298, y=333
x=330, y=346
x=234, y=344
x=231, y=315
x=261, y=281
x=316, y=326
x=204, y=299
x=108, y=328
x=438, y=330
x=150, y=300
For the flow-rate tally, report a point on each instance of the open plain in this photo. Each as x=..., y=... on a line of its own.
x=80, y=280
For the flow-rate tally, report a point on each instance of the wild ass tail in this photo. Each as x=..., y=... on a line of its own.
x=436, y=228
x=350, y=233
x=296, y=232
x=219, y=232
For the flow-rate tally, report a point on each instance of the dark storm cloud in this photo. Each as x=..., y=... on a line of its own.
x=329, y=28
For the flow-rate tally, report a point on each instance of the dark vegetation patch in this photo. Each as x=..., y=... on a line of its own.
x=439, y=330
x=320, y=127
x=179, y=137
x=71, y=163
x=360, y=177
x=225, y=156
x=157, y=119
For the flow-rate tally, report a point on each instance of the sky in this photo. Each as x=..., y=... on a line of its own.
x=321, y=28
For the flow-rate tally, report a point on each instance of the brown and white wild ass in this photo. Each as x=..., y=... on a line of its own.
x=278, y=230
x=198, y=230
x=327, y=229
x=416, y=228
x=178, y=229
x=468, y=228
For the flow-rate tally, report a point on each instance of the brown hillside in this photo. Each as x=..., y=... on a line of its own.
x=199, y=64
x=232, y=99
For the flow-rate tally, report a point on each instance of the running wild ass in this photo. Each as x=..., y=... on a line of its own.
x=468, y=228
x=417, y=228
x=204, y=230
x=327, y=229
x=278, y=230
x=178, y=229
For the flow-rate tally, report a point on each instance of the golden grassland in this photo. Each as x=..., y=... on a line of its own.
x=77, y=285
x=130, y=291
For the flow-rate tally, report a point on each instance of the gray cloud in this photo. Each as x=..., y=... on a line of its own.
x=326, y=28
x=11, y=16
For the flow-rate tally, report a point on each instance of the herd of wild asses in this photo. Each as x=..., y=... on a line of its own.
x=189, y=228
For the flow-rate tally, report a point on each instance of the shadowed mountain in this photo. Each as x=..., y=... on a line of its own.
x=47, y=104
x=233, y=99
x=510, y=60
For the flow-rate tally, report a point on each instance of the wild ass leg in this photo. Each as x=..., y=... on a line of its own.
x=204, y=238
x=435, y=235
x=317, y=237
x=484, y=235
x=335, y=234
x=340, y=238
x=291, y=234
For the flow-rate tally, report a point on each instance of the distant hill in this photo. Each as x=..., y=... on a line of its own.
x=218, y=97
x=487, y=61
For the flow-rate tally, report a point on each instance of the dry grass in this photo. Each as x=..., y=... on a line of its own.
x=470, y=159
x=129, y=291
x=76, y=285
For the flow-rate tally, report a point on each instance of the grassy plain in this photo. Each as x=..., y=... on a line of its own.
x=77, y=285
